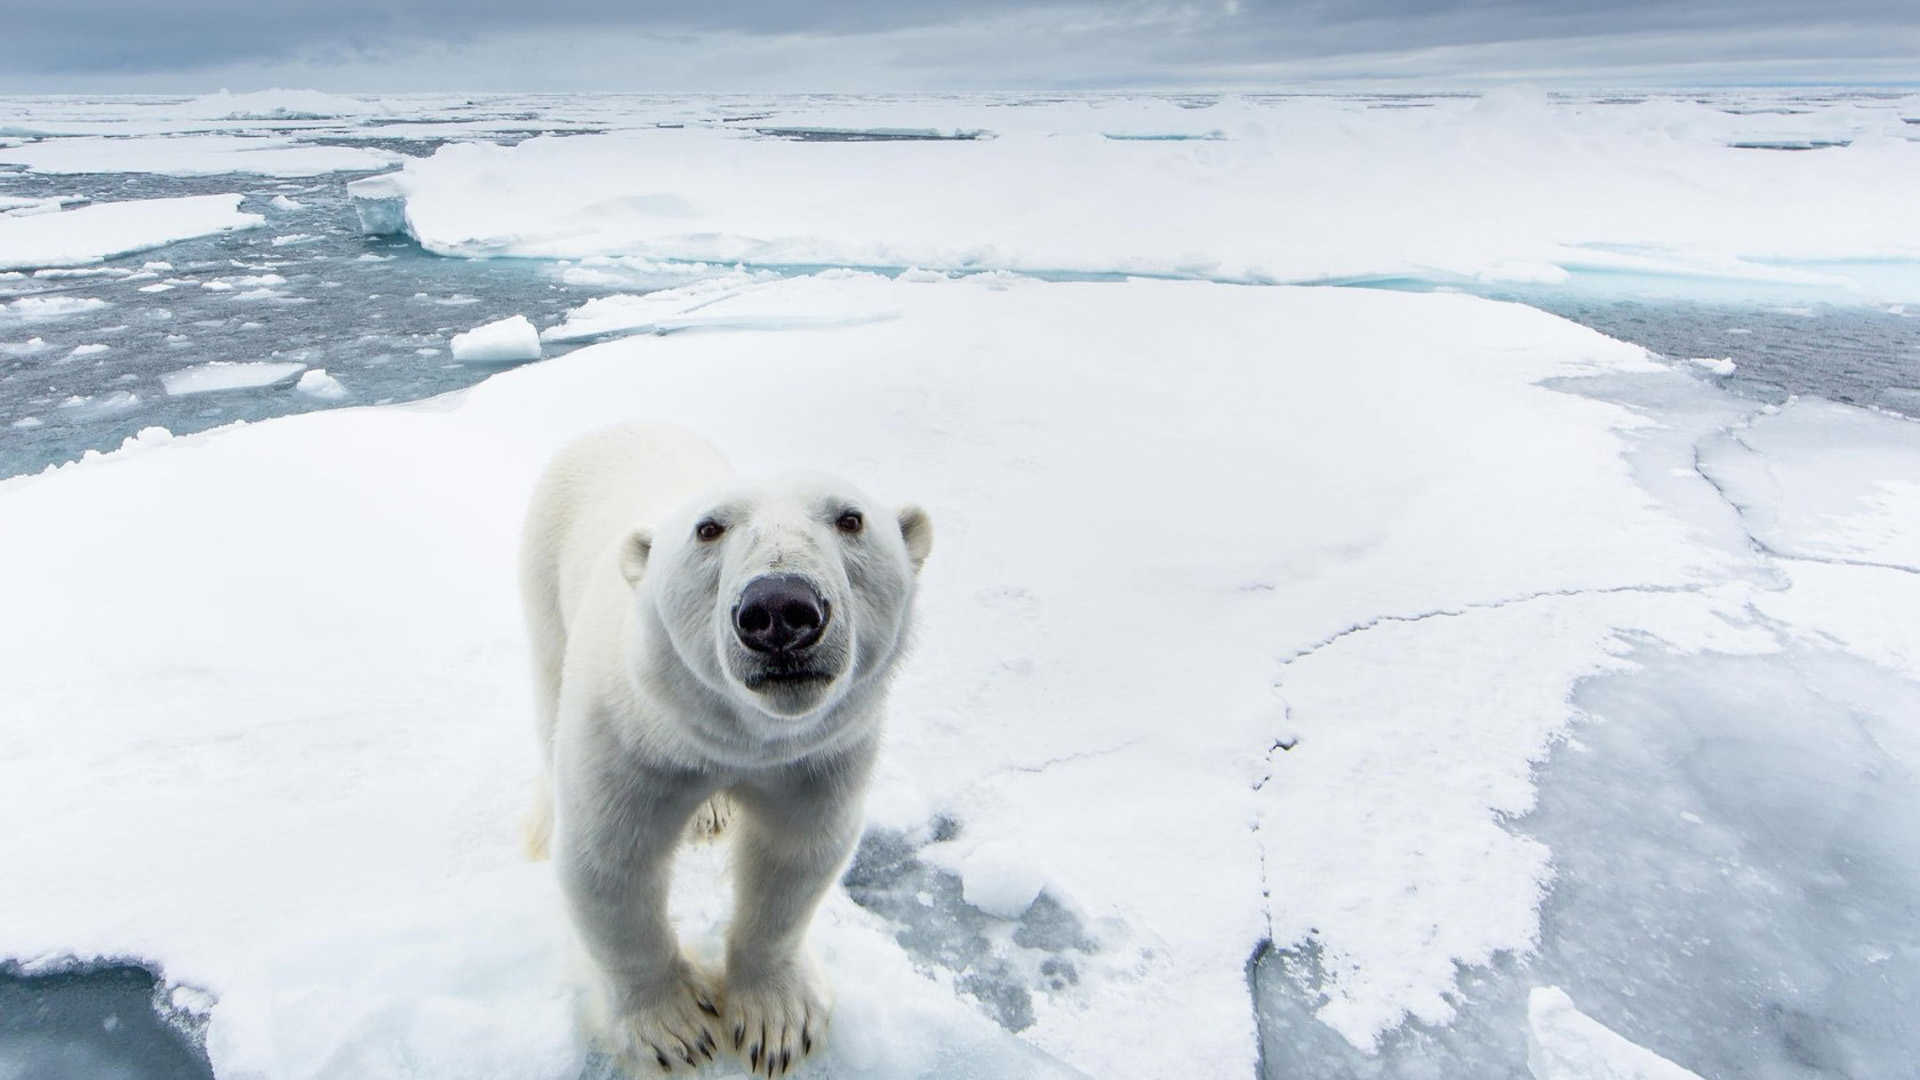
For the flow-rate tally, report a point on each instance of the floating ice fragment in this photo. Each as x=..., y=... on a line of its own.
x=42, y=308
x=27, y=422
x=227, y=375
x=1564, y=1043
x=24, y=348
x=317, y=383
x=293, y=238
x=502, y=342
x=103, y=230
x=1717, y=365
x=281, y=202
x=87, y=350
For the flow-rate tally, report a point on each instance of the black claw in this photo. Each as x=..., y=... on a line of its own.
x=739, y=1036
x=806, y=1043
x=665, y=1065
x=707, y=1007
x=753, y=1055
x=786, y=1058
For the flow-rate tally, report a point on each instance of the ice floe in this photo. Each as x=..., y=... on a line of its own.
x=1299, y=192
x=227, y=375
x=104, y=230
x=1254, y=611
x=504, y=341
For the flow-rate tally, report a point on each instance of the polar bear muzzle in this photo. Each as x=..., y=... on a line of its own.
x=780, y=615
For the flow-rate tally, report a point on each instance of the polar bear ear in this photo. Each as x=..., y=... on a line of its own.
x=917, y=530
x=633, y=554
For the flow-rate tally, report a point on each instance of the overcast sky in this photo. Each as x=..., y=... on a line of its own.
x=719, y=45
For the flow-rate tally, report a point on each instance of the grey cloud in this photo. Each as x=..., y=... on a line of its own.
x=935, y=43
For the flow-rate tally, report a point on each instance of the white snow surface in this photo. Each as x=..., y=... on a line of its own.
x=101, y=231
x=503, y=341
x=1511, y=189
x=227, y=375
x=1564, y=1043
x=1251, y=613
x=194, y=155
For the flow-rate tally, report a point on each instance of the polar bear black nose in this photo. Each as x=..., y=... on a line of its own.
x=779, y=613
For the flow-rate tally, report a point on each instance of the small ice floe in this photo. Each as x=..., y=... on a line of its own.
x=1564, y=1043
x=317, y=383
x=227, y=375
x=281, y=202
x=504, y=341
x=1717, y=365
x=29, y=347
x=101, y=404
x=293, y=238
x=94, y=349
x=42, y=308
x=156, y=287
x=57, y=273
x=157, y=266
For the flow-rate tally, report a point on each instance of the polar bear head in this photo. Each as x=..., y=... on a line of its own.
x=783, y=597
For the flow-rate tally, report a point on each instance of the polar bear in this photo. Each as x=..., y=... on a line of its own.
x=704, y=647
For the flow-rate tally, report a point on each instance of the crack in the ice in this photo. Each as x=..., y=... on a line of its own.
x=1064, y=759
x=1760, y=546
x=1480, y=605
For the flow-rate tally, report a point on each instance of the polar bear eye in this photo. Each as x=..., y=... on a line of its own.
x=850, y=522
x=709, y=530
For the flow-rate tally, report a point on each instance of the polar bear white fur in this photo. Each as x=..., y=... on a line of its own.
x=706, y=648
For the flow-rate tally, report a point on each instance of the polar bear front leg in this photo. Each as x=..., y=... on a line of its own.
x=614, y=850
x=794, y=834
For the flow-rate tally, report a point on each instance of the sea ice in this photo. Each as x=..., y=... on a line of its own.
x=504, y=341
x=1565, y=1044
x=1237, y=633
x=29, y=309
x=29, y=347
x=278, y=104
x=227, y=375
x=1295, y=192
x=195, y=155
x=104, y=230
x=317, y=383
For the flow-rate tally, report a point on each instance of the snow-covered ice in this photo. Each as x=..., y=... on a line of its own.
x=503, y=341
x=195, y=155
x=33, y=309
x=104, y=230
x=278, y=104
x=228, y=375
x=1369, y=544
x=317, y=383
x=1296, y=191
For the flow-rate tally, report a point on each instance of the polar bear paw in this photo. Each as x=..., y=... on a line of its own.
x=775, y=1020
x=711, y=820
x=671, y=1029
